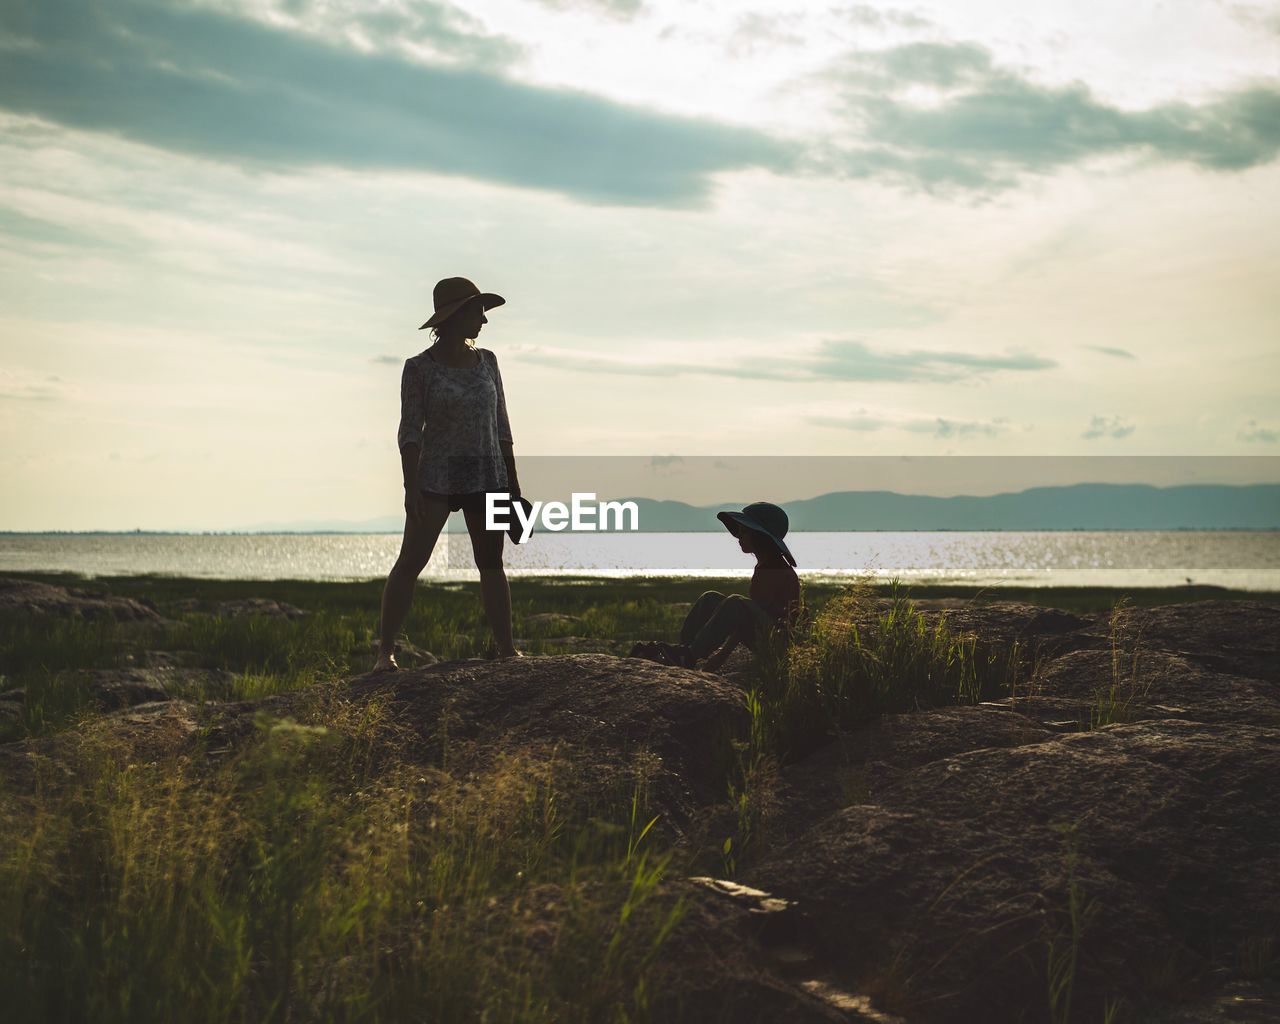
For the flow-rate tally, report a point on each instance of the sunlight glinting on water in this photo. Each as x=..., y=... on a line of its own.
x=1239, y=559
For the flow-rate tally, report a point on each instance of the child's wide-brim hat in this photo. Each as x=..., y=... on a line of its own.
x=451, y=294
x=763, y=517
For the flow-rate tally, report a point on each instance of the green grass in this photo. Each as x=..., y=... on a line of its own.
x=318, y=872
x=319, y=875
x=269, y=655
x=1114, y=703
x=865, y=653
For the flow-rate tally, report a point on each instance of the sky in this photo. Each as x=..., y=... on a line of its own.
x=724, y=228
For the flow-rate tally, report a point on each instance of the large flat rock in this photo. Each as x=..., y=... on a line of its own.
x=944, y=895
x=600, y=710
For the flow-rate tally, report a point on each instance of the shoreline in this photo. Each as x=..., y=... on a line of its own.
x=545, y=587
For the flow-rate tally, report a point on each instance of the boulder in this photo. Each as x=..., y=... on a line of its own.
x=858, y=767
x=929, y=862
x=1236, y=637
x=944, y=897
x=35, y=598
x=1000, y=625
x=1146, y=683
x=124, y=687
x=602, y=711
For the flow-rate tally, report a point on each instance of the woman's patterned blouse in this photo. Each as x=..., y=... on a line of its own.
x=457, y=417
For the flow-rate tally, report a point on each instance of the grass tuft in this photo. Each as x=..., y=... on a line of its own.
x=315, y=874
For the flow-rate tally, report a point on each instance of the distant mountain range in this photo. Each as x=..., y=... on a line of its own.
x=1074, y=507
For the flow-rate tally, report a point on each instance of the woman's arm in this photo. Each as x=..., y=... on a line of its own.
x=504, y=427
x=415, y=503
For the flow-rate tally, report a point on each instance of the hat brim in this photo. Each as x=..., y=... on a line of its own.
x=487, y=299
x=734, y=520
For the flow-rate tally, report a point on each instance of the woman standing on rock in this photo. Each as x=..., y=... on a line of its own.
x=455, y=447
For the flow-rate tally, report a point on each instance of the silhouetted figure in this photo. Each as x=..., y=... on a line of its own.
x=455, y=447
x=717, y=623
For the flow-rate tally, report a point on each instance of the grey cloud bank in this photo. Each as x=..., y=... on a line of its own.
x=832, y=360
x=854, y=360
x=193, y=80
x=454, y=35
x=226, y=88
x=989, y=124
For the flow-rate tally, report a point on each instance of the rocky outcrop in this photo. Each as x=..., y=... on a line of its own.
x=1110, y=830
x=604, y=712
x=1239, y=638
x=962, y=864
x=946, y=894
x=34, y=598
x=114, y=688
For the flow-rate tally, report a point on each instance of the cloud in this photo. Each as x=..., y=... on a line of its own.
x=945, y=428
x=621, y=9
x=17, y=225
x=1257, y=16
x=447, y=32
x=22, y=386
x=939, y=64
x=1108, y=426
x=1254, y=433
x=831, y=360
x=231, y=89
x=1108, y=350
x=944, y=114
x=867, y=16
x=755, y=31
x=937, y=426
x=853, y=360
x=386, y=360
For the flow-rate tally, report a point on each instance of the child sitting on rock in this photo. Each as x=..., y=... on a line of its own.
x=717, y=623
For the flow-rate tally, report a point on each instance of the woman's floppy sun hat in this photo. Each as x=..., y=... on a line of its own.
x=763, y=517
x=451, y=294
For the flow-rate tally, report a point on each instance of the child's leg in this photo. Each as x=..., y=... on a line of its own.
x=735, y=616
x=702, y=610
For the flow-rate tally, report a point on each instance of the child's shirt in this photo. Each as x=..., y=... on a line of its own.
x=777, y=590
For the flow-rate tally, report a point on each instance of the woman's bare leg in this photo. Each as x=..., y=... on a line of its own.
x=495, y=591
x=415, y=551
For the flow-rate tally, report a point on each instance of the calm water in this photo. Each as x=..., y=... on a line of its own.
x=1241, y=560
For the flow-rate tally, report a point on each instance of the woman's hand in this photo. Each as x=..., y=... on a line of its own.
x=415, y=505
